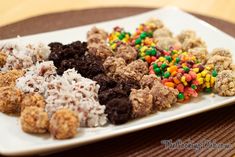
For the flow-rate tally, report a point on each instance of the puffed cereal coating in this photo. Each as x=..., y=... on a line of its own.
x=126, y=52
x=222, y=52
x=168, y=42
x=10, y=99
x=192, y=43
x=9, y=78
x=63, y=124
x=220, y=63
x=142, y=102
x=200, y=53
x=225, y=83
x=162, y=32
x=185, y=35
x=34, y=120
x=154, y=23
x=32, y=99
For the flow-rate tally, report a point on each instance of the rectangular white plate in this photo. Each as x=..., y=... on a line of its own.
x=13, y=141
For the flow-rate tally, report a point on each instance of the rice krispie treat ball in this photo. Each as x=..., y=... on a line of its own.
x=9, y=78
x=225, y=83
x=63, y=124
x=119, y=110
x=100, y=50
x=149, y=80
x=10, y=99
x=220, y=63
x=200, y=53
x=222, y=52
x=34, y=120
x=3, y=58
x=32, y=99
x=154, y=24
x=126, y=52
x=142, y=102
x=162, y=32
x=191, y=43
x=113, y=63
x=185, y=35
x=95, y=30
x=168, y=42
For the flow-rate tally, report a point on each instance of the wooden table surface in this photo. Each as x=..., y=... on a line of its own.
x=15, y=10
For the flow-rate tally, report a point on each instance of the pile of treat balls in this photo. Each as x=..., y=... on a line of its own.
x=113, y=77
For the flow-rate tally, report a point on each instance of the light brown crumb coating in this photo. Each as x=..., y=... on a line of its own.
x=222, y=52
x=225, y=83
x=63, y=124
x=3, y=58
x=9, y=78
x=200, y=53
x=185, y=35
x=168, y=42
x=162, y=32
x=220, y=63
x=154, y=23
x=10, y=99
x=126, y=52
x=113, y=63
x=149, y=80
x=34, y=120
x=100, y=50
x=192, y=43
x=94, y=30
x=32, y=99
x=142, y=102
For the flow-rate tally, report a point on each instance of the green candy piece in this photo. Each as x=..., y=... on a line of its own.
x=120, y=37
x=180, y=96
x=208, y=90
x=168, y=58
x=157, y=70
x=148, y=52
x=143, y=35
x=164, y=65
x=153, y=52
x=155, y=65
x=186, y=69
x=177, y=60
x=193, y=86
x=167, y=74
x=138, y=41
x=214, y=73
x=150, y=34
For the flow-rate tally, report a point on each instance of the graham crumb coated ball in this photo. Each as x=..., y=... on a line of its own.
x=95, y=30
x=222, y=52
x=220, y=63
x=34, y=120
x=148, y=80
x=63, y=124
x=225, y=83
x=3, y=58
x=113, y=63
x=142, y=102
x=154, y=23
x=32, y=99
x=192, y=43
x=126, y=52
x=119, y=110
x=100, y=50
x=168, y=42
x=9, y=78
x=162, y=32
x=200, y=53
x=185, y=35
x=10, y=99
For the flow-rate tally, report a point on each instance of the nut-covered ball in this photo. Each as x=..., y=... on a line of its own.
x=63, y=124
x=126, y=52
x=100, y=50
x=200, y=53
x=95, y=30
x=185, y=35
x=10, y=99
x=113, y=63
x=222, y=52
x=168, y=42
x=225, y=83
x=34, y=120
x=142, y=102
x=162, y=32
x=154, y=23
x=3, y=58
x=220, y=63
x=149, y=80
x=32, y=99
x=9, y=78
x=192, y=43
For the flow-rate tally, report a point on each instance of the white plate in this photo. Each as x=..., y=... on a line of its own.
x=15, y=142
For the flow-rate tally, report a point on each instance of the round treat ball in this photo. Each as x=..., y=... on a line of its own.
x=168, y=42
x=163, y=96
x=3, y=58
x=95, y=30
x=95, y=39
x=100, y=50
x=34, y=120
x=191, y=43
x=225, y=83
x=149, y=80
x=162, y=32
x=154, y=24
x=9, y=78
x=200, y=53
x=32, y=99
x=220, y=63
x=104, y=81
x=119, y=110
x=126, y=52
x=63, y=124
x=10, y=99
x=222, y=52
x=142, y=102
x=112, y=63
x=185, y=35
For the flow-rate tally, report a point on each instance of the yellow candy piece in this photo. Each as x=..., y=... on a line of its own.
x=199, y=75
x=208, y=85
x=208, y=77
x=113, y=46
x=162, y=59
x=143, y=48
x=196, y=70
x=204, y=72
x=183, y=80
x=200, y=81
x=212, y=81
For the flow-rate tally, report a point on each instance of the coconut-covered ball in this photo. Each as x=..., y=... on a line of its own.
x=162, y=32
x=119, y=110
x=222, y=52
x=168, y=42
x=100, y=50
x=185, y=35
x=225, y=83
x=34, y=120
x=10, y=99
x=9, y=78
x=142, y=102
x=126, y=52
x=220, y=63
x=200, y=53
x=32, y=99
x=63, y=124
x=149, y=80
x=163, y=96
x=3, y=58
x=191, y=43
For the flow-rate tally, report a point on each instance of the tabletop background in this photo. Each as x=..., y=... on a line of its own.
x=15, y=10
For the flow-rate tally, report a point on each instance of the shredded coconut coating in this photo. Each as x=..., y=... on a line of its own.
x=64, y=124
x=162, y=32
x=148, y=81
x=142, y=102
x=3, y=58
x=220, y=63
x=32, y=99
x=9, y=78
x=168, y=42
x=100, y=50
x=186, y=34
x=200, y=53
x=225, y=83
x=154, y=23
x=222, y=52
x=191, y=43
x=126, y=52
x=163, y=96
x=34, y=120
x=95, y=30
x=10, y=98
